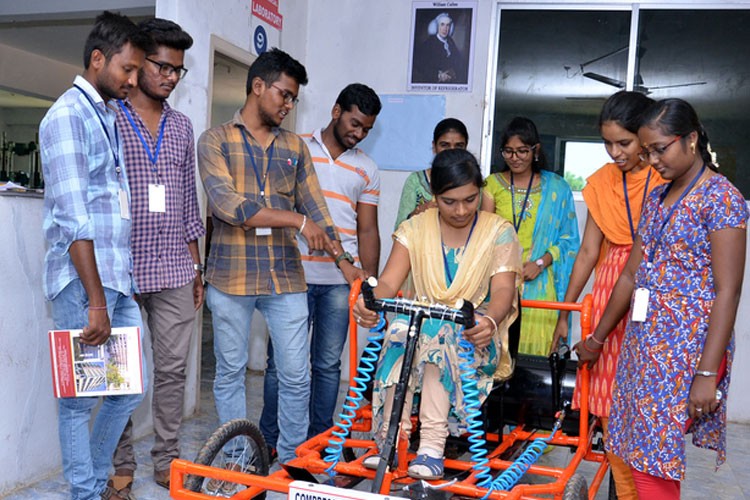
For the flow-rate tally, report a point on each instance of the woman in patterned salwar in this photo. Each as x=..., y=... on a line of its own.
x=540, y=205
x=684, y=275
x=454, y=252
x=614, y=196
x=416, y=195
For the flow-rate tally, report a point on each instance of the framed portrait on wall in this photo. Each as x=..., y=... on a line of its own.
x=442, y=46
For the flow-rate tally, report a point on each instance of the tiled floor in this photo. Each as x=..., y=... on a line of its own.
x=730, y=482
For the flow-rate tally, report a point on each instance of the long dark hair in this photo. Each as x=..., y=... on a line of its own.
x=625, y=109
x=454, y=168
x=677, y=117
x=450, y=125
x=524, y=129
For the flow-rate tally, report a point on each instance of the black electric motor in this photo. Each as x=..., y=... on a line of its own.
x=538, y=389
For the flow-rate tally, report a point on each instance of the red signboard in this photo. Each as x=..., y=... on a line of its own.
x=268, y=11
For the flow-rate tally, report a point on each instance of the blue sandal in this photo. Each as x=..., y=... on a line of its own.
x=434, y=465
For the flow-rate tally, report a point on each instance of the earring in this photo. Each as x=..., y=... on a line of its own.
x=692, y=147
x=536, y=158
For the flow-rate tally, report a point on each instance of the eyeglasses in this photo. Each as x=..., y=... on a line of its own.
x=288, y=96
x=166, y=69
x=658, y=152
x=521, y=153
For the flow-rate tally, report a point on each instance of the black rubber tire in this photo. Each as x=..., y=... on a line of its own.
x=576, y=489
x=211, y=453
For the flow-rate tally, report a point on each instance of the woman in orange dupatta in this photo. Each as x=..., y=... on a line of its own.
x=610, y=229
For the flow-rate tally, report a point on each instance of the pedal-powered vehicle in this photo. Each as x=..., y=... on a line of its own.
x=534, y=403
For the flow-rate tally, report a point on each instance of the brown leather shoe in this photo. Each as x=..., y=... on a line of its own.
x=161, y=477
x=124, y=493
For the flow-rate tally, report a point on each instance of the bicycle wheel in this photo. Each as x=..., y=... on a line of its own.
x=247, y=453
x=576, y=489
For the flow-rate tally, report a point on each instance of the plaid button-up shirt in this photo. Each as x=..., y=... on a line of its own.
x=242, y=262
x=161, y=259
x=78, y=142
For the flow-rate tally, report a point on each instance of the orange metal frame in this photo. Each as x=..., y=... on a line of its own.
x=310, y=453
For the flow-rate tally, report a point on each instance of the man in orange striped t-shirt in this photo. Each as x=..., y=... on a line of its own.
x=351, y=185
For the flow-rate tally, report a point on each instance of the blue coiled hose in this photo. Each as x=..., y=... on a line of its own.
x=355, y=395
x=529, y=457
x=478, y=446
x=512, y=474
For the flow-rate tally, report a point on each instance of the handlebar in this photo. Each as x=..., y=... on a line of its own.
x=462, y=314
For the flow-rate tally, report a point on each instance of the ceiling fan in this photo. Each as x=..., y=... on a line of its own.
x=620, y=84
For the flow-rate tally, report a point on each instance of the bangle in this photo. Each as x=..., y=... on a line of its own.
x=97, y=308
x=595, y=339
x=302, y=226
x=587, y=348
x=492, y=320
x=705, y=373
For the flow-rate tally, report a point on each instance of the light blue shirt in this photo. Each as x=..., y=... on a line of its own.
x=82, y=190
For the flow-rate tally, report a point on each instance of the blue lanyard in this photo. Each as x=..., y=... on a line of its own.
x=671, y=212
x=116, y=148
x=152, y=157
x=627, y=201
x=513, y=200
x=261, y=180
x=445, y=257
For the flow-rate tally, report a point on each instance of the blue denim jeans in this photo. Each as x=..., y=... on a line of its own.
x=87, y=456
x=286, y=316
x=329, y=317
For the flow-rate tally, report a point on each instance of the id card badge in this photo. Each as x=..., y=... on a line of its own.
x=157, y=198
x=262, y=231
x=124, y=207
x=640, y=305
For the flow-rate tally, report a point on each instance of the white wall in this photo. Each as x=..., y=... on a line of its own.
x=368, y=42
x=28, y=413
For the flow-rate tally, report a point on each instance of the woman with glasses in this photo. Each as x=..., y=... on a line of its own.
x=540, y=206
x=683, y=279
x=614, y=196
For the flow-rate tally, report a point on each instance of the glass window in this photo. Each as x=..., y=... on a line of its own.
x=701, y=56
x=546, y=60
x=580, y=159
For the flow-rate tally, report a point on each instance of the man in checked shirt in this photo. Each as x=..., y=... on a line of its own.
x=263, y=194
x=159, y=148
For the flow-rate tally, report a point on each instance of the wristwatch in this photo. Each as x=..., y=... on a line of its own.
x=198, y=267
x=539, y=262
x=344, y=256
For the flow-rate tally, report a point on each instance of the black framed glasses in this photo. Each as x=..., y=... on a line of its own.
x=166, y=69
x=658, y=151
x=286, y=95
x=521, y=153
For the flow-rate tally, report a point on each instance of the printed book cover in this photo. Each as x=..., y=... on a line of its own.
x=113, y=368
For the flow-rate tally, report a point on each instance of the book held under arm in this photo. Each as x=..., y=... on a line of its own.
x=111, y=369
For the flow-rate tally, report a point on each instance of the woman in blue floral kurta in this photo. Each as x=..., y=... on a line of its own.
x=685, y=276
